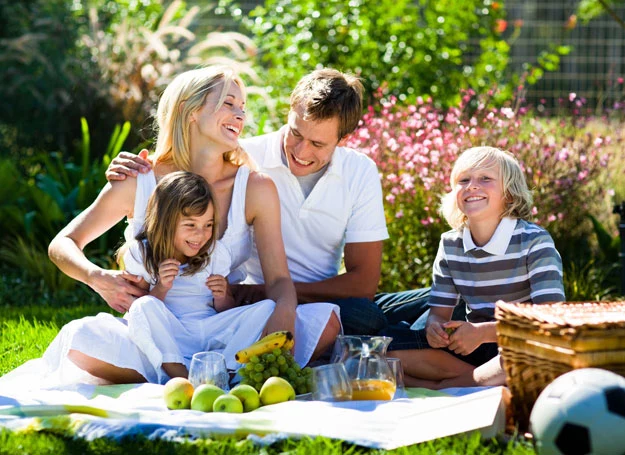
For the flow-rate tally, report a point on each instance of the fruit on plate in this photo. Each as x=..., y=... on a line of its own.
x=268, y=343
x=276, y=390
x=204, y=397
x=178, y=393
x=248, y=396
x=268, y=360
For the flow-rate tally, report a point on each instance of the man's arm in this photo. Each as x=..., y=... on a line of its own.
x=363, y=262
x=127, y=164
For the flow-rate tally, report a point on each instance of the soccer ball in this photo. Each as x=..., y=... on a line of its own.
x=581, y=412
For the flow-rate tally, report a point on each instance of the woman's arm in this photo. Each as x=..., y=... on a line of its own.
x=117, y=288
x=262, y=210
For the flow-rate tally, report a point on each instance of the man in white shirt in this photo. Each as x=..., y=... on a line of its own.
x=331, y=202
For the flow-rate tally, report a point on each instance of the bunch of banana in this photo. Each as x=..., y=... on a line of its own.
x=275, y=340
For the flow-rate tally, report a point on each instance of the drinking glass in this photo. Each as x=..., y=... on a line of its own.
x=209, y=368
x=331, y=383
x=398, y=371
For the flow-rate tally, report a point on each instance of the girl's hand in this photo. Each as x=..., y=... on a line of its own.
x=465, y=338
x=218, y=285
x=167, y=271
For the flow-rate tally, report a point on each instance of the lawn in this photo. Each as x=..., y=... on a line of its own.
x=27, y=328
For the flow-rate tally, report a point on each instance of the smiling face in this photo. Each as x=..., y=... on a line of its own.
x=192, y=233
x=220, y=126
x=309, y=144
x=479, y=193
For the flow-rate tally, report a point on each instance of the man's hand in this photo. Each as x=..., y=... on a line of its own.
x=244, y=294
x=118, y=288
x=127, y=164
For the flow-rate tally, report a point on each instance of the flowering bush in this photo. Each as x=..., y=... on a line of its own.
x=415, y=147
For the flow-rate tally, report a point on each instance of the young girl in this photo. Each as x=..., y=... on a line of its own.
x=491, y=254
x=183, y=266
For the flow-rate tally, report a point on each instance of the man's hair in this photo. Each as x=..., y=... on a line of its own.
x=516, y=193
x=183, y=96
x=178, y=194
x=327, y=93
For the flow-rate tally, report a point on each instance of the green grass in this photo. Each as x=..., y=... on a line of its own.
x=26, y=329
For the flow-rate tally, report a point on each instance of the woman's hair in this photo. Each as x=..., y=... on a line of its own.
x=178, y=194
x=518, y=196
x=183, y=96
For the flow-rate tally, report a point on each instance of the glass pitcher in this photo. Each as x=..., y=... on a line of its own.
x=364, y=358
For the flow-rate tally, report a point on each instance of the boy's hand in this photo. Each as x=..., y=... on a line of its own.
x=218, y=285
x=465, y=338
x=436, y=335
x=127, y=164
x=167, y=271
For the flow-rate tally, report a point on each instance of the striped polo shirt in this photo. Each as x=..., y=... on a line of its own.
x=520, y=263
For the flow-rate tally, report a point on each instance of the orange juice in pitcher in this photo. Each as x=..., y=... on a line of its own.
x=364, y=358
x=372, y=389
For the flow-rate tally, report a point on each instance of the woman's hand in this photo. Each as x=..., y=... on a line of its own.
x=119, y=289
x=282, y=318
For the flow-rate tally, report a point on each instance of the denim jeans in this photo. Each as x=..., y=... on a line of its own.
x=360, y=316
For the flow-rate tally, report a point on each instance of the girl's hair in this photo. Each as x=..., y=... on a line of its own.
x=178, y=194
x=183, y=96
x=518, y=196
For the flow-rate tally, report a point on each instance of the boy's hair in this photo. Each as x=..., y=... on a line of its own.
x=178, y=194
x=327, y=93
x=183, y=96
x=518, y=196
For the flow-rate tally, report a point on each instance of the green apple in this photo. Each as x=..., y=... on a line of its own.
x=228, y=403
x=248, y=396
x=178, y=393
x=204, y=397
x=276, y=390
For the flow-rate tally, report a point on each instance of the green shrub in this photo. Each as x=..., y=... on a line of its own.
x=410, y=48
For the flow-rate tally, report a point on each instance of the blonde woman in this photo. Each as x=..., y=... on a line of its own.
x=200, y=117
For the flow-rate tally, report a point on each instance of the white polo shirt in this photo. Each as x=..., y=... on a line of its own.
x=345, y=206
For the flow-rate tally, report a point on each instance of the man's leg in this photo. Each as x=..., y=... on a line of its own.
x=360, y=316
x=403, y=306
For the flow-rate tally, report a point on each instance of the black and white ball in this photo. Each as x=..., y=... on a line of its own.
x=581, y=412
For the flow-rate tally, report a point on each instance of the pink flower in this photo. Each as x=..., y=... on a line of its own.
x=399, y=214
x=572, y=96
x=619, y=80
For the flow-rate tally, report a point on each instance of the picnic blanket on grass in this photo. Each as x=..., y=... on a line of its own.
x=90, y=411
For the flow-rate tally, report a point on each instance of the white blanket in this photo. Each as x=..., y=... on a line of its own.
x=91, y=411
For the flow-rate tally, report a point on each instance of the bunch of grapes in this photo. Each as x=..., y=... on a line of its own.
x=279, y=363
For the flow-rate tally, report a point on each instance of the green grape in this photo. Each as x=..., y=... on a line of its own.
x=274, y=371
x=281, y=360
x=259, y=367
x=301, y=389
x=299, y=381
x=258, y=385
x=254, y=359
x=258, y=377
x=283, y=367
x=271, y=358
x=307, y=371
x=242, y=372
x=296, y=366
x=277, y=352
x=266, y=374
x=290, y=372
x=265, y=357
x=249, y=366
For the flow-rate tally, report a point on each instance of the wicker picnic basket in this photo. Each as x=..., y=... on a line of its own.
x=538, y=343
